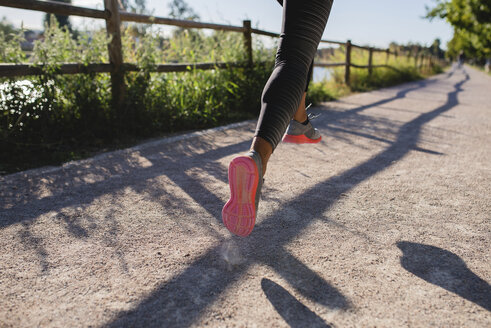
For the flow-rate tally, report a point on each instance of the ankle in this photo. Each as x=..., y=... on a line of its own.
x=301, y=118
x=264, y=149
x=304, y=122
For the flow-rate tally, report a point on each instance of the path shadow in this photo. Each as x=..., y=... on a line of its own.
x=383, y=140
x=181, y=301
x=34, y=243
x=291, y=310
x=68, y=189
x=334, y=116
x=304, y=280
x=445, y=269
x=72, y=188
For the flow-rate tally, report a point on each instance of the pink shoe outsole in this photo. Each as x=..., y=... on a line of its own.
x=239, y=213
x=300, y=139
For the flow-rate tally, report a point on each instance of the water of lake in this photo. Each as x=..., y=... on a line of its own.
x=321, y=73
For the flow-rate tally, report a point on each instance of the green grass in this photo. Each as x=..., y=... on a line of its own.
x=49, y=119
x=401, y=70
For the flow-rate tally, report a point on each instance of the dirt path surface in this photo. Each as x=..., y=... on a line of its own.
x=386, y=223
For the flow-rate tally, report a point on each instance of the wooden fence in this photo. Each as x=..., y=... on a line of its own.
x=116, y=67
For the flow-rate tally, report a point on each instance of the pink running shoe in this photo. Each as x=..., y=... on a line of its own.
x=245, y=179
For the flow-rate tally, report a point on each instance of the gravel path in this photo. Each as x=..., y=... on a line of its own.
x=386, y=223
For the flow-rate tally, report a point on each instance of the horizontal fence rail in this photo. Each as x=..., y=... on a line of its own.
x=12, y=70
x=146, y=19
x=368, y=66
x=265, y=33
x=58, y=8
x=113, y=16
x=327, y=65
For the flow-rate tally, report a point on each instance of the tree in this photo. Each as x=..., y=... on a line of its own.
x=134, y=6
x=435, y=49
x=471, y=20
x=179, y=9
x=7, y=28
x=137, y=7
x=63, y=21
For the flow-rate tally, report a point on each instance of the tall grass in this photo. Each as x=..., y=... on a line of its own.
x=52, y=118
x=402, y=69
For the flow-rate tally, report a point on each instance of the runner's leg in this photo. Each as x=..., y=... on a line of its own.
x=303, y=25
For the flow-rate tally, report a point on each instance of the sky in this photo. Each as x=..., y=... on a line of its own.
x=374, y=23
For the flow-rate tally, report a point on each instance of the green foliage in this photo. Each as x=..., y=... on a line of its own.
x=10, y=47
x=192, y=99
x=62, y=20
x=320, y=92
x=436, y=50
x=6, y=27
x=181, y=10
x=58, y=46
x=135, y=6
x=361, y=80
x=402, y=69
x=52, y=117
x=472, y=26
x=49, y=108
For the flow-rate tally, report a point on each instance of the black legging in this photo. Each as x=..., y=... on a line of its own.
x=311, y=68
x=303, y=24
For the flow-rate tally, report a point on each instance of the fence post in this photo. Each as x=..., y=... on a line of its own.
x=387, y=57
x=113, y=27
x=248, y=41
x=370, y=61
x=348, y=63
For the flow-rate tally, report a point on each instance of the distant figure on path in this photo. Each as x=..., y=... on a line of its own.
x=461, y=58
x=282, y=107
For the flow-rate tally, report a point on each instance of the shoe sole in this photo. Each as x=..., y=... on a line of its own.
x=300, y=139
x=239, y=213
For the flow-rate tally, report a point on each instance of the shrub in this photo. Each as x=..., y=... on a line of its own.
x=59, y=117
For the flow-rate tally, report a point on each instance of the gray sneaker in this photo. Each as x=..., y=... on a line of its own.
x=301, y=133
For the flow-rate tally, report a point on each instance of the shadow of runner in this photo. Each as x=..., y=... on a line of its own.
x=179, y=302
x=292, y=310
x=445, y=269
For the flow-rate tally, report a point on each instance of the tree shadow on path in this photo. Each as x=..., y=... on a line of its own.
x=126, y=174
x=291, y=310
x=445, y=269
x=182, y=300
